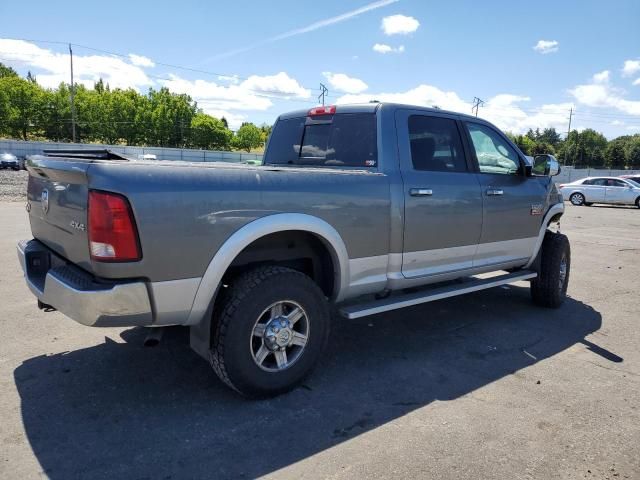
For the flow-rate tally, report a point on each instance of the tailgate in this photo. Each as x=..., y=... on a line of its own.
x=57, y=196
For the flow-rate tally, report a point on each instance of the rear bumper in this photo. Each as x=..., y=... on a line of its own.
x=80, y=296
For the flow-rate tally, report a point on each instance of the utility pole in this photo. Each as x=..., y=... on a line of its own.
x=323, y=92
x=73, y=94
x=477, y=102
x=568, y=133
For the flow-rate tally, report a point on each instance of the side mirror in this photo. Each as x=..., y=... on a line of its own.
x=545, y=165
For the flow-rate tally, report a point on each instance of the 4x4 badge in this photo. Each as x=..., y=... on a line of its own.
x=536, y=209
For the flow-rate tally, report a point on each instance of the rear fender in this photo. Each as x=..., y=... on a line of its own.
x=259, y=228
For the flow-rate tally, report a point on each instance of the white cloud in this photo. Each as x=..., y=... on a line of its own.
x=425, y=95
x=52, y=68
x=636, y=81
x=399, y=25
x=253, y=94
x=631, y=67
x=345, y=83
x=384, y=48
x=140, y=61
x=600, y=93
x=602, y=77
x=504, y=110
x=546, y=46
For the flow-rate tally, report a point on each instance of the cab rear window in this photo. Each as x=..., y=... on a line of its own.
x=343, y=139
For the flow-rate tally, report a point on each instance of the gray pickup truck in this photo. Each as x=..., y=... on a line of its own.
x=360, y=208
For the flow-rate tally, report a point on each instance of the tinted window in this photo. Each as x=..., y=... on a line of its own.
x=348, y=139
x=599, y=181
x=616, y=183
x=494, y=154
x=284, y=142
x=587, y=182
x=435, y=144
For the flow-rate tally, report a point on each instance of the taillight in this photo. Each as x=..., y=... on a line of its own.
x=330, y=110
x=112, y=230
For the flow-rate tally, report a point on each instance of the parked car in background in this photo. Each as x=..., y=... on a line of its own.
x=613, y=190
x=634, y=178
x=9, y=160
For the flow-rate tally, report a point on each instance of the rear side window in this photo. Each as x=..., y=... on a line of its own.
x=347, y=139
x=599, y=181
x=435, y=144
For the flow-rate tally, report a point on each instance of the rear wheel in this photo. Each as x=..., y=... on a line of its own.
x=549, y=288
x=577, y=199
x=638, y=202
x=270, y=332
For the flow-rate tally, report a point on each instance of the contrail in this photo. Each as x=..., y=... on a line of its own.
x=309, y=28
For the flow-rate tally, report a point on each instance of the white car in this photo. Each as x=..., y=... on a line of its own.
x=590, y=190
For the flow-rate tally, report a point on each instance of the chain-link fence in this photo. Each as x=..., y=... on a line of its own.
x=22, y=149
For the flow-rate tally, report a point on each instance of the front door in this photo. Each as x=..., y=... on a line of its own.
x=443, y=204
x=512, y=202
x=618, y=191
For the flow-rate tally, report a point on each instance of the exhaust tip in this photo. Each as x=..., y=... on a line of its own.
x=153, y=337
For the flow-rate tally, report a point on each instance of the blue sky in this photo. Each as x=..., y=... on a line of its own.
x=258, y=59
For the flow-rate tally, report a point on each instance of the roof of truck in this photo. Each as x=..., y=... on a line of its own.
x=371, y=107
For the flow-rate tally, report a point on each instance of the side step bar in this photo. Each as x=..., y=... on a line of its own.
x=434, y=293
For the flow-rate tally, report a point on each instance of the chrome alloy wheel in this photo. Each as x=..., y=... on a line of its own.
x=563, y=272
x=279, y=336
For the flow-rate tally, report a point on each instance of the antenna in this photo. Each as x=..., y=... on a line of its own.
x=323, y=92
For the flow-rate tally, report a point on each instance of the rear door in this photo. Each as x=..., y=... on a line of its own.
x=594, y=189
x=512, y=202
x=443, y=204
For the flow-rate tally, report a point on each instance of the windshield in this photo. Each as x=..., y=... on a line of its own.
x=633, y=182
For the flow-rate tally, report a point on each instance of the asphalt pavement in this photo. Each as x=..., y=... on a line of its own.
x=482, y=386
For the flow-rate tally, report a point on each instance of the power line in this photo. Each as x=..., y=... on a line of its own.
x=164, y=64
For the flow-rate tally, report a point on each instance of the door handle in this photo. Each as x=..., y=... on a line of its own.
x=420, y=192
x=494, y=192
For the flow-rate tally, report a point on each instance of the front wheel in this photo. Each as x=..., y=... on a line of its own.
x=270, y=332
x=577, y=199
x=549, y=288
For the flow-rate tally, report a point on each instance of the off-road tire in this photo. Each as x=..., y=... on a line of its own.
x=232, y=327
x=547, y=290
x=580, y=200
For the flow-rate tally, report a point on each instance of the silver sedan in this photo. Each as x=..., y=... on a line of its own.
x=613, y=190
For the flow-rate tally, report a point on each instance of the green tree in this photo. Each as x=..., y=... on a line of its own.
x=614, y=155
x=7, y=71
x=585, y=149
x=549, y=136
x=209, y=133
x=633, y=155
x=22, y=110
x=247, y=137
